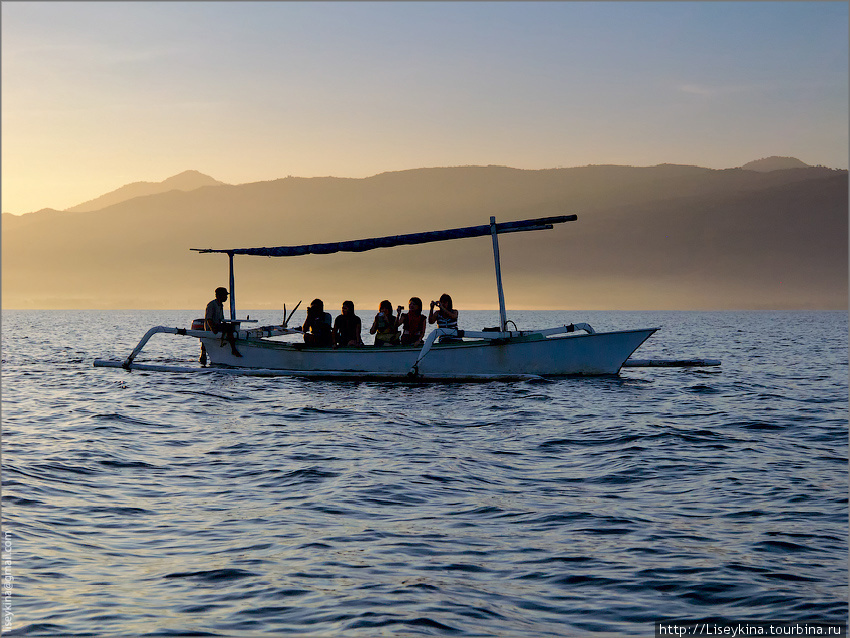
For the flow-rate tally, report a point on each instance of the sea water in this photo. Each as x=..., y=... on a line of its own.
x=161, y=504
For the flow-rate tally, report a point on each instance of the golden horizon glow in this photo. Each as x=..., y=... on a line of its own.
x=99, y=95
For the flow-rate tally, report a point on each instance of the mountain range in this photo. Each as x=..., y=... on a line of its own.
x=185, y=181
x=771, y=234
x=768, y=164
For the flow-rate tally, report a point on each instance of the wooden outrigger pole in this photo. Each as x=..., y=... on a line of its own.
x=232, y=290
x=503, y=318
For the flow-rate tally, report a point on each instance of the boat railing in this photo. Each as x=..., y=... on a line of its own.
x=263, y=332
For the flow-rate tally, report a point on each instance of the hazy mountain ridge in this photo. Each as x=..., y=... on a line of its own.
x=774, y=163
x=9, y=219
x=185, y=181
x=191, y=180
x=644, y=235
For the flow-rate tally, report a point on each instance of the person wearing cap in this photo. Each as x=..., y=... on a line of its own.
x=215, y=323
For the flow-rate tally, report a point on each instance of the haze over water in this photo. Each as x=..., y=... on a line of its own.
x=158, y=504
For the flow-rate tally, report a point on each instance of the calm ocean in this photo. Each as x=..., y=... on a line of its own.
x=157, y=504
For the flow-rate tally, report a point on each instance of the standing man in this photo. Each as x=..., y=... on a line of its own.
x=214, y=322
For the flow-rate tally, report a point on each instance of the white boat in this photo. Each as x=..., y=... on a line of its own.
x=574, y=349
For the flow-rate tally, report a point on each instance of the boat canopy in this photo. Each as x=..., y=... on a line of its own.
x=361, y=245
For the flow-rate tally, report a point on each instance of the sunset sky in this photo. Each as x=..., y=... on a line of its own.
x=99, y=94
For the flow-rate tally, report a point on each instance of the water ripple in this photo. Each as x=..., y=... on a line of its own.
x=168, y=505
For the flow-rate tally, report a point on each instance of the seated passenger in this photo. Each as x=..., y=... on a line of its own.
x=446, y=316
x=413, y=323
x=215, y=323
x=385, y=326
x=347, y=327
x=317, y=326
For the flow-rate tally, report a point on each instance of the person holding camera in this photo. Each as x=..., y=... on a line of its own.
x=317, y=327
x=412, y=323
x=445, y=317
x=385, y=325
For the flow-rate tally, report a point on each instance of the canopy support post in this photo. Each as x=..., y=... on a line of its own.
x=502, y=315
x=232, y=291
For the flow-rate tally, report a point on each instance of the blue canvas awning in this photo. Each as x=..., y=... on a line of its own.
x=361, y=245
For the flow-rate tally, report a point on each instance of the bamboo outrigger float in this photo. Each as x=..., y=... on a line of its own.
x=574, y=349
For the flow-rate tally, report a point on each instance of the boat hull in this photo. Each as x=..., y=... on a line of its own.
x=601, y=353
